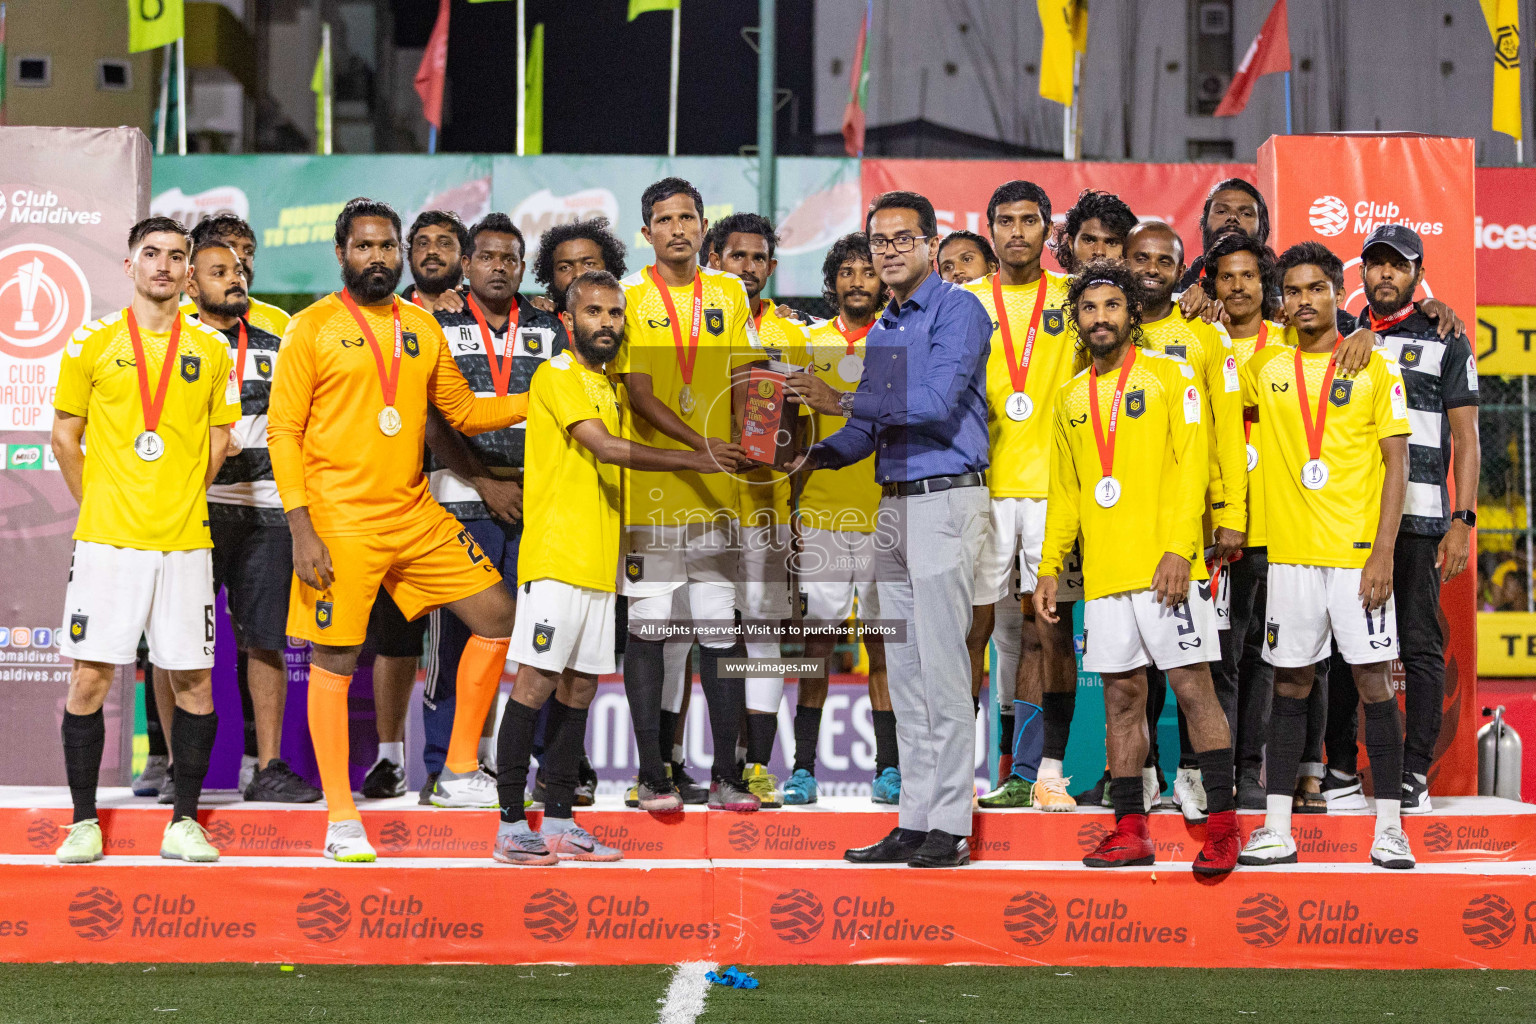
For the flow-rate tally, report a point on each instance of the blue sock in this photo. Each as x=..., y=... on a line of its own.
x=1028, y=740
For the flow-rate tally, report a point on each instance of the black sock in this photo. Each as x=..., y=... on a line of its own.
x=807, y=733
x=643, y=671
x=666, y=733
x=84, y=738
x=1384, y=747
x=760, y=733
x=727, y=699
x=152, y=727
x=562, y=756
x=1216, y=771
x=1059, y=709
x=248, y=709
x=1157, y=697
x=975, y=706
x=191, y=745
x=514, y=745
x=1127, y=796
x=1005, y=733
x=551, y=716
x=1287, y=735
x=887, y=755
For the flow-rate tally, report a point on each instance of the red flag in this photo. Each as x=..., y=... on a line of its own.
x=434, y=68
x=1270, y=51
x=858, y=90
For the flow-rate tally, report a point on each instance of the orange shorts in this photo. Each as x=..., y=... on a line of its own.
x=423, y=566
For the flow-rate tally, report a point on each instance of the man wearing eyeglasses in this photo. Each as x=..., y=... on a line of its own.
x=921, y=409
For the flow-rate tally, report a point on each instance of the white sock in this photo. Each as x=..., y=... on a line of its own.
x=557, y=824
x=1389, y=813
x=512, y=828
x=1277, y=812
x=487, y=754
x=392, y=752
x=1050, y=768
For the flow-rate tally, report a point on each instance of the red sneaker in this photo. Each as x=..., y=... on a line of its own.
x=1223, y=842
x=1127, y=846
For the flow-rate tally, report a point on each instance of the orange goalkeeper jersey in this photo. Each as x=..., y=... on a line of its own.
x=327, y=449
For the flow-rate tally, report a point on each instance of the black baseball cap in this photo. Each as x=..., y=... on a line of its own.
x=1400, y=237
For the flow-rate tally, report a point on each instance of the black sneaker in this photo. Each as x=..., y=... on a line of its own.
x=279, y=784
x=1096, y=795
x=1343, y=792
x=168, y=787
x=1250, y=792
x=586, y=783
x=1416, y=794
x=426, y=791
x=688, y=786
x=384, y=780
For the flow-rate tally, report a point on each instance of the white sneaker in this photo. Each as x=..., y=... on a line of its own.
x=1189, y=795
x=247, y=771
x=1343, y=792
x=1151, y=796
x=475, y=789
x=347, y=842
x=1267, y=846
x=1391, y=849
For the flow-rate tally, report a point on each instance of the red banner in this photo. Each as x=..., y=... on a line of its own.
x=1505, y=236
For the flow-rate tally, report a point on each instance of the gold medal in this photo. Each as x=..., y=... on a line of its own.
x=390, y=421
x=685, y=401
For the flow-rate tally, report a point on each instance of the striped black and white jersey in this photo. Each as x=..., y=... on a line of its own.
x=1438, y=375
x=540, y=336
x=244, y=490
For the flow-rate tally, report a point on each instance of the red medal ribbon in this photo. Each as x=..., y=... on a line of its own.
x=762, y=311
x=1107, y=444
x=1390, y=322
x=1018, y=369
x=1258, y=347
x=1314, y=430
x=240, y=356
x=389, y=381
x=685, y=358
x=854, y=336
x=153, y=404
x=501, y=371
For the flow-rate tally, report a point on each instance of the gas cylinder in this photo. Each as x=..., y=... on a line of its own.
x=1498, y=757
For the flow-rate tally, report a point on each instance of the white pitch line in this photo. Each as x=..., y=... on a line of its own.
x=685, y=996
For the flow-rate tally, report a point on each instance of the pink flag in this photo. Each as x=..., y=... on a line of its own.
x=432, y=73
x=1270, y=51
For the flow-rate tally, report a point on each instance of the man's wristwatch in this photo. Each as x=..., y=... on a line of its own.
x=1465, y=516
x=845, y=404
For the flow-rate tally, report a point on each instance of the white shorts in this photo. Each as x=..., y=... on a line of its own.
x=117, y=594
x=762, y=583
x=1309, y=604
x=1123, y=632
x=560, y=626
x=834, y=566
x=709, y=607
x=659, y=559
x=1010, y=556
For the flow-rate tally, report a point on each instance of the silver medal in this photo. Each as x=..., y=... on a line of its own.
x=1253, y=458
x=148, y=446
x=1314, y=474
x=850, y=368
x=1019, y=407
x=1106, y=492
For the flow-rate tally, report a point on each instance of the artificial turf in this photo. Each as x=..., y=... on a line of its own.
x=185, y=993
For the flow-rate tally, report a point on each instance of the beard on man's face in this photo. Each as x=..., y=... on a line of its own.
x=597, y=347
x=234, y=303
x=1101, y=342
x=436, y=282
x=371, y=283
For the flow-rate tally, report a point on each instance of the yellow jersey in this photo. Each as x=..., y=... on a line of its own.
x=1020, y=448
x=570, y=499
x=1208, y=349
x=727, y=339
x=1160, y=461
x=268, y=317
x=1335, y=524
x=1244, y=349
x=127, y=502
x=764, y=493
x=847, y=498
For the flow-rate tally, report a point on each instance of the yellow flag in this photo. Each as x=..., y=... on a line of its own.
x=1064, y=24
x=1503, y=17
x=533, y=97
x=639, y=7
x=154, y=23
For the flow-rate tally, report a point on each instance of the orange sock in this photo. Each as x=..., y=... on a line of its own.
x=330, y=732
x=480, y=669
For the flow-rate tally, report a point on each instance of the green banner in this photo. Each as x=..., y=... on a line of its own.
x=292, y=201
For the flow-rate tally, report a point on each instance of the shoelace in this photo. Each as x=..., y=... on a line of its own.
x=197, y=825
x=529, y=842
x=1056, y=786
x=75, y=827
x=1393, y=839
x=349, y=829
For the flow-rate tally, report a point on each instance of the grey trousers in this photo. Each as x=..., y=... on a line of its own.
x=926, y=582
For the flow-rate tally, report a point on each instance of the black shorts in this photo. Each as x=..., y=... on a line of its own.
x=254, y=564
x=388, y=632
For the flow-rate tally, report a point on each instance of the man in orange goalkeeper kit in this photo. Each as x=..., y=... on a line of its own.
x=346, y=423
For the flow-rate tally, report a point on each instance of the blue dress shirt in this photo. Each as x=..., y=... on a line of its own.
x=921, y=403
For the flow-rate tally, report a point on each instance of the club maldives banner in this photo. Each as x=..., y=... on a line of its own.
x=67, y=199
x=292, y=201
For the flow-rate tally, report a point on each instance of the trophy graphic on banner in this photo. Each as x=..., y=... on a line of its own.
x=29, y=277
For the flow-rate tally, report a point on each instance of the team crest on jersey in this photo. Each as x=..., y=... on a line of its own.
x=533, y=342
x=1177, y=351
x=264, y=367
x=412, y=346
x=1339, y=396
x=1135, y=403
x=634, y=568
x=77, y=624
x=323, y=614
x=1412, y=354
x=1272, y=634
x=805, y=604
x=714, y=321
x=1054, y=321
x=191, y=368
x=543, y=636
